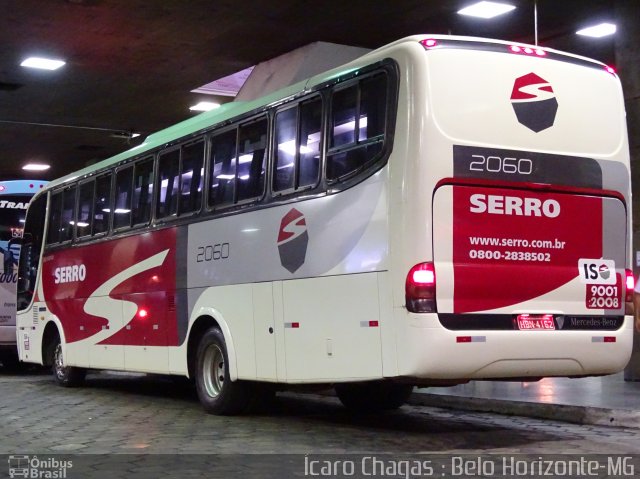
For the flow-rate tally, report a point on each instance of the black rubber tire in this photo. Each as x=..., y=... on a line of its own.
x=373, y=396
x=217, y=393
x=66, y=376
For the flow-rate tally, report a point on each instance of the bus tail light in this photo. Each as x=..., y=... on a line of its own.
x=420, y=289
x=630, y=284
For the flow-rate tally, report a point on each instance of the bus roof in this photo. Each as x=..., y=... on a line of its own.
x=234, y=109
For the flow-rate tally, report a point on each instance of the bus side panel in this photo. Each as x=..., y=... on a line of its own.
x=331, y=328
x=115, y=301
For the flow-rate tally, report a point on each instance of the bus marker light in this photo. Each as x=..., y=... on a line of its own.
x=429, y=43
x=143, y=313
x=369, y=324
x=292, y=325
x=471, y=339
x=603, y=339
x=630, y=284
x=527, y=50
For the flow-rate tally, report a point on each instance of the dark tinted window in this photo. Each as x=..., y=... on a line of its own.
x=358, y=120
x=122, y=210
x=168, y=173
x=343, y=119
x=142, y=191
x=191, y=177
x=55, y=208
x=297, y=149
x=309, y=151
x=223, y=169
x=102, y=205
x=285, y=149
x=66, y=217
x=85, y=204
x=252, y=146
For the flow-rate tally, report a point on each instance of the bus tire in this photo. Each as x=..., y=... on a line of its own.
x=373, y=396
x=217, y=393
x=67, y=376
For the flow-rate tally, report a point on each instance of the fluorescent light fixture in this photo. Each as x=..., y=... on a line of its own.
x=598, y=31
x=35, y=167
x=204, y=106
x=486, y=9
x=42, y=63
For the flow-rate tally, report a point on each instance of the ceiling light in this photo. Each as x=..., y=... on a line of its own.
x=598, y=31
x=204, y=106
x=42, y=63
x=486, y=9
x=35, y=167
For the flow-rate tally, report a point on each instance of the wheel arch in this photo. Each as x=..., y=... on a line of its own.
x=51, y=330
x=206, y=319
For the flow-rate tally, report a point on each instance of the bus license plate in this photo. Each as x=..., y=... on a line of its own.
x=535, y=324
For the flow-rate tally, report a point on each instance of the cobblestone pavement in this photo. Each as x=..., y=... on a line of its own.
x=155, y=415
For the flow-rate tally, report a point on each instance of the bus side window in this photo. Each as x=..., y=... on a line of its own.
x=358, y=120
x=285, y=151
x=67, y=218
x=223, y=169
x=191, y=177
x=55, y=208
x=297, y=152
x=85, y=203
x=252, y=146
x=102, y=205
x=122, y=210
x=309, y=150
x=142, y=191
x=169, y=179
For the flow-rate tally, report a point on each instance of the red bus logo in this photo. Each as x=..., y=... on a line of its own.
x=534, y=102
x=293, y=240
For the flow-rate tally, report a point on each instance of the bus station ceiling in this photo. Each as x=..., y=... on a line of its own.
x=131, y=64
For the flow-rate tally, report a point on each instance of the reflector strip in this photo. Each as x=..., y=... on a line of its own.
x=471, y=339
x=603, y=339
x=369, y=324
x=291, y=325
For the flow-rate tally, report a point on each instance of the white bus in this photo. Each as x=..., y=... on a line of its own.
x=440, y=210
x=14, y=199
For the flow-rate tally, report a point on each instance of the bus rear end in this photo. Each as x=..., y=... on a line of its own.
x=530, y=212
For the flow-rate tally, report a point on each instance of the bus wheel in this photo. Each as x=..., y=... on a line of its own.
x=373, y=396
x=67, y=376
x=217, y=393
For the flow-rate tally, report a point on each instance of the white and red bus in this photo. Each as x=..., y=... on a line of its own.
x=440, y=210
x=14, y=199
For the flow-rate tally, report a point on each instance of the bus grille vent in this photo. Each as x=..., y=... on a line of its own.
x=35, y=315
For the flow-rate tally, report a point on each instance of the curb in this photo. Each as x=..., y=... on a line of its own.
x=558, y=412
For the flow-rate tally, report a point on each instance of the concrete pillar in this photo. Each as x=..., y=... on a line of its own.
x=627, y=45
